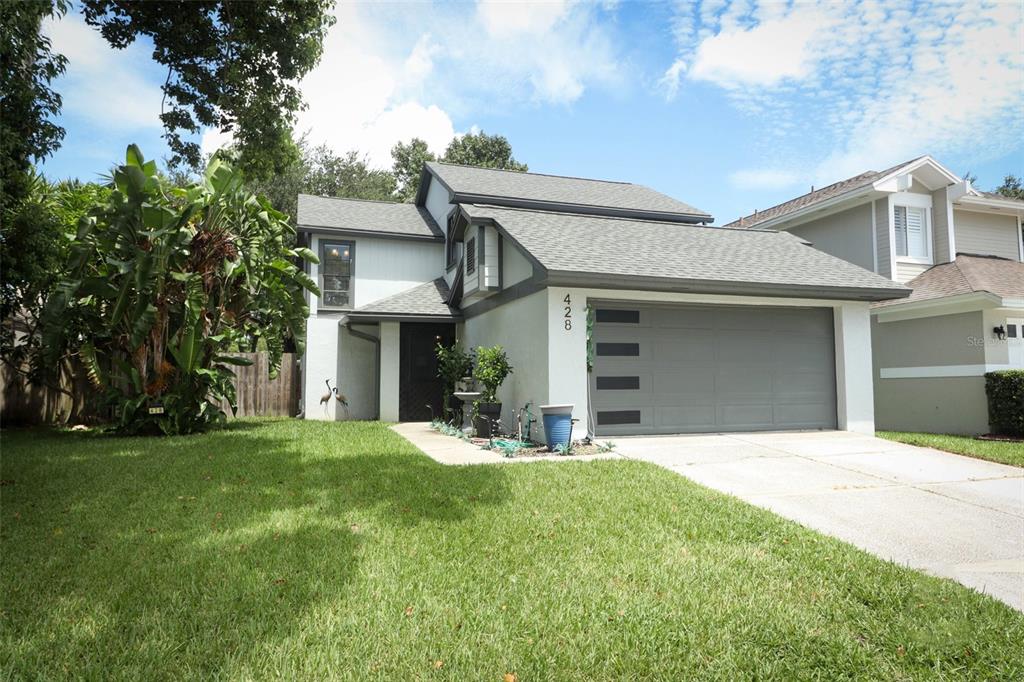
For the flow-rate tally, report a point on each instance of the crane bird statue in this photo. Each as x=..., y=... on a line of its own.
x=325, y=399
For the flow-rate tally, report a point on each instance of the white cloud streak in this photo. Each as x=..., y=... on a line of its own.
x=875, y=82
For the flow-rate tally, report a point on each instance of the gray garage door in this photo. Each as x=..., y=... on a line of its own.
x=687, y=369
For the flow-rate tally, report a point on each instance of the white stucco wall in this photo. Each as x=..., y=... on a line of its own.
x=384, y=267
x=319, y=363
x=567, y=348
x=520, y=327
x=357, y=373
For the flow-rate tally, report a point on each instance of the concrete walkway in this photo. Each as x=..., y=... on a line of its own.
x=948, y=515
x=451, y=450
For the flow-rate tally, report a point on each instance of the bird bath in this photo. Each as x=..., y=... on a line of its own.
x=467, y=398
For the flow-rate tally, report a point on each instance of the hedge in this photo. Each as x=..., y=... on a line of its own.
x=1005, y=391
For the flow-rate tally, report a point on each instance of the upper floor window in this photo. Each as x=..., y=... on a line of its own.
x=911, y=224
x=336, y=274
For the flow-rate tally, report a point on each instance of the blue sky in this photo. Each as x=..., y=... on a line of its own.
x=727, y=105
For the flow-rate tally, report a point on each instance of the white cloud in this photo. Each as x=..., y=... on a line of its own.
x=385, y=78
x=102, y=85
x=672, y=79
x=874, y=82
x=764, y=178
x=505, y=19
x=765, y=55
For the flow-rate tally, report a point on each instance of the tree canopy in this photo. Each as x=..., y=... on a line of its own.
x=472, y=149
x=231, y=64
x=1012, y=187
x=28, y=101
x=318, y=170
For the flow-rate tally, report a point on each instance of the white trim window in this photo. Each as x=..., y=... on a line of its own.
x=913, y=233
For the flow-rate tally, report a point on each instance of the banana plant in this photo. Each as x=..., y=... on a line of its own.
x=168, y=281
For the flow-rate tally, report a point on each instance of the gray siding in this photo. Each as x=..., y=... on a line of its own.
x=845, y=235
x=937, y=405
x=933, y=404
x=882, y=238
x=928, y=341
x=986, y=234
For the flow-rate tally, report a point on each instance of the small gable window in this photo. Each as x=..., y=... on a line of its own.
x=471, y=255
x=911, y=223
x=451, y=248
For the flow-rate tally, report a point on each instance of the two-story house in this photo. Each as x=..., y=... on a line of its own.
x=606, y=295
x=959, y=249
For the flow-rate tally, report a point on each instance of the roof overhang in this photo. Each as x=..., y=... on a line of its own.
x=925, y=170
x=945, y=305
x=694, y=286
x=990, y=205
x=374, y=234
x=365, y=317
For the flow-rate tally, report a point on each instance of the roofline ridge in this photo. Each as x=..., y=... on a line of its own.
x=365, y=201
x=546, y=175
x=625, y=219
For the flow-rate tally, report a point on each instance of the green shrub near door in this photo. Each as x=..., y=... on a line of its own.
x=1005, y=391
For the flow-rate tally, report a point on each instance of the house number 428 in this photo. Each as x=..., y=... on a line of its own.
x=568, y=312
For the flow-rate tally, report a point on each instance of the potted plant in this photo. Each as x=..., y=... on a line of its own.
x=490, y=372
x=453, y=365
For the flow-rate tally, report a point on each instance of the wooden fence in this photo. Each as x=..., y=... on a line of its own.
x=258, y=396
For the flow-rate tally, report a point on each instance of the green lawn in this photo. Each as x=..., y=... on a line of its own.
x=314, y=550
x=996, y=451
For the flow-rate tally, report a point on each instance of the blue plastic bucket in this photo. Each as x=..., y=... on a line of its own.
x=557, y=424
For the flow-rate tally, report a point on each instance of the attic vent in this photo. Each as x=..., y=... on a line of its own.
x=471, y=255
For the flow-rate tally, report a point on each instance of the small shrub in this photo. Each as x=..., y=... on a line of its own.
x=606, y=446
x=492, y=368
x=453, y=364
x=1005, y=391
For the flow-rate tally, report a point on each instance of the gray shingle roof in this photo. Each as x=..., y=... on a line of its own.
x=427, y=299
x=498, y=186
x=686, y=257
x=966, y=275
x=359, y=215
x=816, y=196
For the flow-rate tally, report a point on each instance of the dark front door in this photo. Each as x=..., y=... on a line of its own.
x=419, y=388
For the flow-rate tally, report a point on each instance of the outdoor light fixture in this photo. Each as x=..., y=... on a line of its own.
x=1000, y=332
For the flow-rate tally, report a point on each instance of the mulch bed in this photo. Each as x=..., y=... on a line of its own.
x=541, y=450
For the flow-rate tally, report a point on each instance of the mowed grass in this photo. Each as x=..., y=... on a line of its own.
x=309, y=550
x=1004, y=452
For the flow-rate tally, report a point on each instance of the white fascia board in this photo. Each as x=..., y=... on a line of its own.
x=936, y=371
x=990, y=205
x=947, y=305
x=898, y=180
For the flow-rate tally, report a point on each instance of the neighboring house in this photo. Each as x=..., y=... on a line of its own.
x=959, y=249
x=694, y=328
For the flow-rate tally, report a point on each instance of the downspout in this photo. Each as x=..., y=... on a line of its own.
x=375, y=340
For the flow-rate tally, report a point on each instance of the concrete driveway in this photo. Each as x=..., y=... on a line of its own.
x=948, y=515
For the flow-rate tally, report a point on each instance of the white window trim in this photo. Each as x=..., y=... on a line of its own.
x=912, y=200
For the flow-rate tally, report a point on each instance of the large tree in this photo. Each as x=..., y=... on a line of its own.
x=318, y=170
x=28, y=103
x=472, y=149
x=231, y=64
